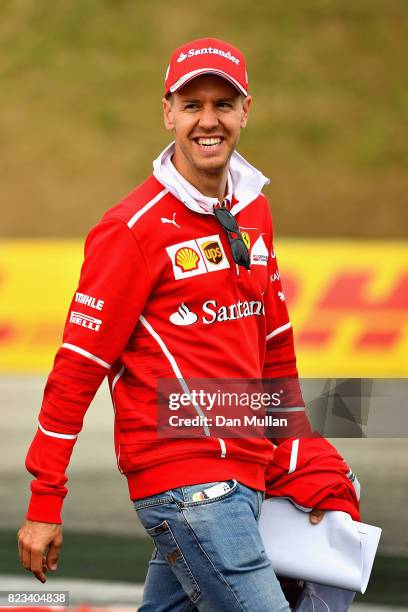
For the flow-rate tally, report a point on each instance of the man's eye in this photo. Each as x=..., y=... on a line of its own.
x=190, y=106
x=225, y=104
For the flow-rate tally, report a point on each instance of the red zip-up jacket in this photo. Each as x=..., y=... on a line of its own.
x=147, y=260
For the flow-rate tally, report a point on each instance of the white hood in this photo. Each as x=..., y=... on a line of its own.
x=244, y=182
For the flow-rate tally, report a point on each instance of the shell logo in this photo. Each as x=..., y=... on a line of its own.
x=187, y=259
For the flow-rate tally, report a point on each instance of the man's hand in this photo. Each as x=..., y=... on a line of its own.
x=316, y=516
x=33, y=539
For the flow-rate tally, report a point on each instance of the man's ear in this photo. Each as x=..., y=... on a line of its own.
x=246, y=103
x=168, y=114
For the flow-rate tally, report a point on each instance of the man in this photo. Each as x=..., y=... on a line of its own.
x=179, y=281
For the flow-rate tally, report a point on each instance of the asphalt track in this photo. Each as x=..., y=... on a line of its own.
x=114, y=597
x=98, y=497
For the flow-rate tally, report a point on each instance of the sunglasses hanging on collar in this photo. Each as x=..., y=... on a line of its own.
x=239, y=250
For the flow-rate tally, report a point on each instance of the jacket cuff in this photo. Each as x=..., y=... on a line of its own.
x=45, y=508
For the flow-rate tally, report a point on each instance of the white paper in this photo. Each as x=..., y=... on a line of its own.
x=337, y=552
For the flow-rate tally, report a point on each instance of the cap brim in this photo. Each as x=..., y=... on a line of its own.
x=195, y=73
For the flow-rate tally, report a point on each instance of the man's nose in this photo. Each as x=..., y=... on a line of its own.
x=208, y=118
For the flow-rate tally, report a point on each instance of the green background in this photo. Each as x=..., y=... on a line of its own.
x=80, y=115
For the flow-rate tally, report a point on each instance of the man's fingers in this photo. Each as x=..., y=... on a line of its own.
x=53, y=553
x=33, y=539
x=316, y=516
x=37, y=556
x=20, y=549
x=24, y=551
x=32, y=559
x=25, y=557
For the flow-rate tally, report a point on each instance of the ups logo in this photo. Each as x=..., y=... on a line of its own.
x=212, y=252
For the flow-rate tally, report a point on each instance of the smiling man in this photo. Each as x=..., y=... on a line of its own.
x=195, y=239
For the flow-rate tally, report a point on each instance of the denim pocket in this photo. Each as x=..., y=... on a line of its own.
x=167, y=544
x=154, y=500
x=204, y=493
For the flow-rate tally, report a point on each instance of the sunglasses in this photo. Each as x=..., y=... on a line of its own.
x=239, y=250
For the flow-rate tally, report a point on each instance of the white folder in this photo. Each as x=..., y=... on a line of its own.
x=337, y=552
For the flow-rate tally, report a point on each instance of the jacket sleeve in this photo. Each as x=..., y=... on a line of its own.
x=113, y=288
x=312, y=474
x=279, y=369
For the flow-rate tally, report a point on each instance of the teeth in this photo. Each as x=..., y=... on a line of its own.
x=208, y=142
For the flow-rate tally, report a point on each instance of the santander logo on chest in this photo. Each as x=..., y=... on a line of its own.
x=213, y=312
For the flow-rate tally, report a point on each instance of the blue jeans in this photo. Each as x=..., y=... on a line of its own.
x=208, y=553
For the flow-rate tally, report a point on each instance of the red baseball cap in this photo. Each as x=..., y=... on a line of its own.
x=206, y=56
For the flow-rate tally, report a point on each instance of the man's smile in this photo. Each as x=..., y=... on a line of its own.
x=208, y=144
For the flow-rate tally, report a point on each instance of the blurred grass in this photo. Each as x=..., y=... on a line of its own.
x=125, y=558
x=87, y=556
x=80, y=118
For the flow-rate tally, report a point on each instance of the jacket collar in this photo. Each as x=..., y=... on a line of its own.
x=244, y=183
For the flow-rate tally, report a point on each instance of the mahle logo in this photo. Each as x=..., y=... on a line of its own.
x=212, y=252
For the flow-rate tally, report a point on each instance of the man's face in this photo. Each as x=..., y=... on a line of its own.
x=206, y=116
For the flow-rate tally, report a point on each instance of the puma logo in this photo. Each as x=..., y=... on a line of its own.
x=173, y=220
